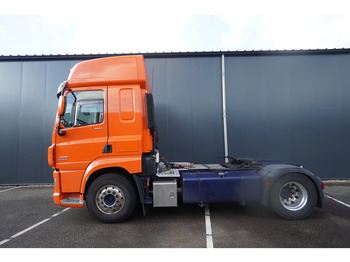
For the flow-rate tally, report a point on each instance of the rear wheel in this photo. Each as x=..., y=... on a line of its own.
x=293, y=196
x=111, y=198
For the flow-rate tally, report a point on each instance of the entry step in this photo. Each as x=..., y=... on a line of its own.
x=72, y=201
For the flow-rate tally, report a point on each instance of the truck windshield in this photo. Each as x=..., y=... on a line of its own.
x=83, y=108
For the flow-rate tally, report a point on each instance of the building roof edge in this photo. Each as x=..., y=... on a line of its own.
x=179, y=54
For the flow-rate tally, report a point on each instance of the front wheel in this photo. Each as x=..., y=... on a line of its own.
x=111, y=198
x=293, y=196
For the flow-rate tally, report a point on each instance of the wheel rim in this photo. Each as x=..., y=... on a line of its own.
x=293, y=196
x=110, y=199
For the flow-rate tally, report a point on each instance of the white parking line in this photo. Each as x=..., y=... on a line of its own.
x=208, y=227
x=336, y=200
x=9, y=189
x=33, y=226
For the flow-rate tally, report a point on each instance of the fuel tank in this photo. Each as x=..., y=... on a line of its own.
x=221, y=186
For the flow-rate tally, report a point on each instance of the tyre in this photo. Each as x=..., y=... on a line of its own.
x=111, y=198
x=293, y=196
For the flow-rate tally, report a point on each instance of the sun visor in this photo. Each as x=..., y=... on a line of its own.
x=61, y=88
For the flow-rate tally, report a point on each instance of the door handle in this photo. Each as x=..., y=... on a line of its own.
x=107, y=149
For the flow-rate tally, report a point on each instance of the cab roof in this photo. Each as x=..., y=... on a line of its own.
x=110, y=71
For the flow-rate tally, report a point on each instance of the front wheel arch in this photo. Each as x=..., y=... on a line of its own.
x=103, y=171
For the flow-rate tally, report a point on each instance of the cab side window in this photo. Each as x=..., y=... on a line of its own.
x=88, y=112
x=83, y=108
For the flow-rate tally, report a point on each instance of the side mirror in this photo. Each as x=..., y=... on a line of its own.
x=60, y=111
x=61, y=104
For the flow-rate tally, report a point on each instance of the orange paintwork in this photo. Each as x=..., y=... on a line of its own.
x=76, y=155
x=132, y=164
x=61, y=102
x=121, y=70
x=50, y=155
x=58, y=196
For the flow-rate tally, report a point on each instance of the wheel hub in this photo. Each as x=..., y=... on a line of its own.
x=110, y=199
x=293, y=196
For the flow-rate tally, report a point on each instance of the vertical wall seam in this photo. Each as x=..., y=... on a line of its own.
x=43, y=162
x=19, y=122
x=224, y=115
x=192, y=113
x=166, y=105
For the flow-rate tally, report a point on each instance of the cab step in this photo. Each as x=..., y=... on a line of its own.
x=72, y=201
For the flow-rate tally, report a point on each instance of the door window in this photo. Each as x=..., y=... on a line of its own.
x=83, y=108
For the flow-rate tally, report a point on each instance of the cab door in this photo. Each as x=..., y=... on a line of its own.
x=83, y=134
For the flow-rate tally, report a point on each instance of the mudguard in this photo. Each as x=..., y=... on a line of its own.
x=270, y=173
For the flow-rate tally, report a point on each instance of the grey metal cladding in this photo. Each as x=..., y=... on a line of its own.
x=10, y=86
x=31, y=117
x=187, y=95
x=28, y=105
x=291, y=106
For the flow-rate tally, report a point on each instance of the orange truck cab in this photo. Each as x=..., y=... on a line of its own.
x=104, y=152
x=101, y=126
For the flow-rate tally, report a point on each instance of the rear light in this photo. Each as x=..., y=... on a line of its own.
x=322, y=185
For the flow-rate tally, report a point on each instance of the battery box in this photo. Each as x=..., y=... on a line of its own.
x=165, y=193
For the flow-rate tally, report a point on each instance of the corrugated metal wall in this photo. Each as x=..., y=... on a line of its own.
x=287, y=107
x=28, y=106
x=187, y=95
x=293, y=108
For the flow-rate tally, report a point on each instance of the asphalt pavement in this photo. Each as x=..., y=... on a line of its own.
x=30, y=219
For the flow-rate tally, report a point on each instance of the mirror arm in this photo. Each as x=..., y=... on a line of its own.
x=59, y=131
